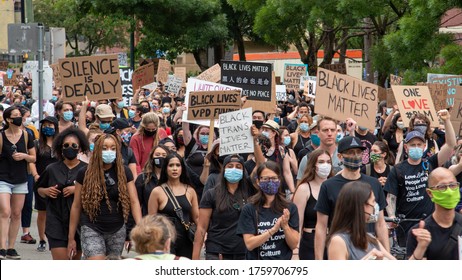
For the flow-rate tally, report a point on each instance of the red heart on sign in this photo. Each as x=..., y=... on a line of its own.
x=412, y=103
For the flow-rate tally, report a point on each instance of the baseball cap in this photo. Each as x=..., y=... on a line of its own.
x=120, y=123
x=50, y=119
x=349, y=142
x=414, y=134
x=104, y=111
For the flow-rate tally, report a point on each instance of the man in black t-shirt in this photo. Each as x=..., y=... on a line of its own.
x=350, y=154
x=406, y=184
x=435, y=238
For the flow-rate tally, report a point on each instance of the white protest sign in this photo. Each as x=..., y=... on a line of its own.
x=30, y=69
x=281, y=94
x=174, y=84
x=150, y=87
x=306, y=78
x=201, y=85
x=310, y=88
x=235, y=136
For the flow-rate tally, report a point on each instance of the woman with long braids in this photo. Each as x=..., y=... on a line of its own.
x=56, y=184
x=104, y=195
x=174, y=177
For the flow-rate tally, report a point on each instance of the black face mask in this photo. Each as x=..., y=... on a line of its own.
x=258, y=124
x=70, y=153
x=158, y=162
x=289, y=110
x=17, y=121
x=150, y=133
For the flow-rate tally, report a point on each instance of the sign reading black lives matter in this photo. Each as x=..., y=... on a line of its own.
x=96, y=77
x=340, y=97
x=208, y=105
x=253, y=78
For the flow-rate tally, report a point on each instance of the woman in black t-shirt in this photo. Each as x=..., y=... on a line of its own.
x=381, y=160
x=16, y=151
x=104, y=195
x=56, y=184
x=174, y=176
x=219, y=212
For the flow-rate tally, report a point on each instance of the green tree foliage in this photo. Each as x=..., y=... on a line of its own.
x=86, y=31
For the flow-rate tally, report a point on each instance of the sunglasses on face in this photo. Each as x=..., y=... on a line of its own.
x=72, y=145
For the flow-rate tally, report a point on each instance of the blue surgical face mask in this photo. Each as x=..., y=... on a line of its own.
x=92, y=147
x=131, y=114
x=233, y=175
x=165, y=110
x=415, y=153
x=120, y=104
x=204, y=139
x=104, y=126
x=54, y=98
x=68, y=115
x=266, y=134
x=339, y=137
x=109, y=156
x=315, y=139
x=276, y=119
x=304, y=127
x=287, y=141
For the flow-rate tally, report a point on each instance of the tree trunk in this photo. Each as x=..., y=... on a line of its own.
x=201, y=59
x=367, y=47
x=240, y=47
x=328, y=44
x=343, y=48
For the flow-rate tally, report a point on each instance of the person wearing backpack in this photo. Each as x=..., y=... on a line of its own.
x=407, y=182
x=436, y=237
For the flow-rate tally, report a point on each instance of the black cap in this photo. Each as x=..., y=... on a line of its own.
x=120, y=123
x=349, y=142
x=51, y=119
x=230, y=158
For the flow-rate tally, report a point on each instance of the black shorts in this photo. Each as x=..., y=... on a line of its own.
x=58, y=243
x=40, y=202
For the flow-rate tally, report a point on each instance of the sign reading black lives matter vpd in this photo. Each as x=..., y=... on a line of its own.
x=96, y=77
x=253, y=78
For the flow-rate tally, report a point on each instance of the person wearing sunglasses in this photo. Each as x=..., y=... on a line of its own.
x=56, y=184
x=16, y=151
x=219, y=212
x=269, y=223
x=435, y=238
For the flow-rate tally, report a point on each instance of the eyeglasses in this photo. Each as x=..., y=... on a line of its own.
x=443, y=187
x=267, y=179
x=72, y=145
x=105, y=121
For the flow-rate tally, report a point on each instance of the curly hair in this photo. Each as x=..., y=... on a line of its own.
x=94, y=185
x=71, y=131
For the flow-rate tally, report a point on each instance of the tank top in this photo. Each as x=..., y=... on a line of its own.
x=310, y=215
x=355, y=253
x=301, y=144
x=169, y=211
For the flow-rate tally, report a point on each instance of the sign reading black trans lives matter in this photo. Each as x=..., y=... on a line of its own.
x=253, y=78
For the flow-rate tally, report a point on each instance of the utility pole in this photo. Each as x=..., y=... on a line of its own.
x=40, y=69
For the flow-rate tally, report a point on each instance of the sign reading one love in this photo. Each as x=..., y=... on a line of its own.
x=413, y=99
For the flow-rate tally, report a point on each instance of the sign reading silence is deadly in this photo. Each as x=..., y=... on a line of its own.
x=96, y=77
x=208, y=105
x=340, y=97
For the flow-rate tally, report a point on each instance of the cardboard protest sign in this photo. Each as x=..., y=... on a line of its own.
x=200, y=85
x=439, y=94
x=151, y=86
x=310, y=89
x=96, y=77
x=306, y=78
x=451, y=81
x=340, y=97
x=235, y=136
x=56, y=74
x=292, y=75
x=174, y=84
x=337, y=67
x=396, y=80
x=206, y=105
x=143, y=75
x=413, y=99
x=281, y=93
x=456, y=112
x=163, y=70
x=391, y=101
x=213, y=74
x=181, y=73
x=3, y=65
x=382, y=93
x=256, y=80
x=127, y=86
x=10, y=78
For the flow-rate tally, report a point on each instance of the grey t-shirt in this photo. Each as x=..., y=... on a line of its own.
x=355, y=253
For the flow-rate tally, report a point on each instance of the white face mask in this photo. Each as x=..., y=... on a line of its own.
x=400, y=125
x=323, y=170
x=374, y=217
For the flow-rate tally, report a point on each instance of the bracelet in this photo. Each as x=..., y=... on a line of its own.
x=417, y=258
x=269, y=231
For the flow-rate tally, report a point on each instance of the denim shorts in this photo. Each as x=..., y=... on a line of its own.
x=13, y=188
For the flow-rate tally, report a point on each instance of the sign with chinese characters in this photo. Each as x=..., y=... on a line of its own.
x=254, y=78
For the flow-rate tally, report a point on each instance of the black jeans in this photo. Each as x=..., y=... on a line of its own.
x=26, y=213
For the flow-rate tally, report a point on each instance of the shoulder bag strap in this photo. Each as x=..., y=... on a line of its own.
x=176, y=205
x=1, y=142
x=453, y=238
